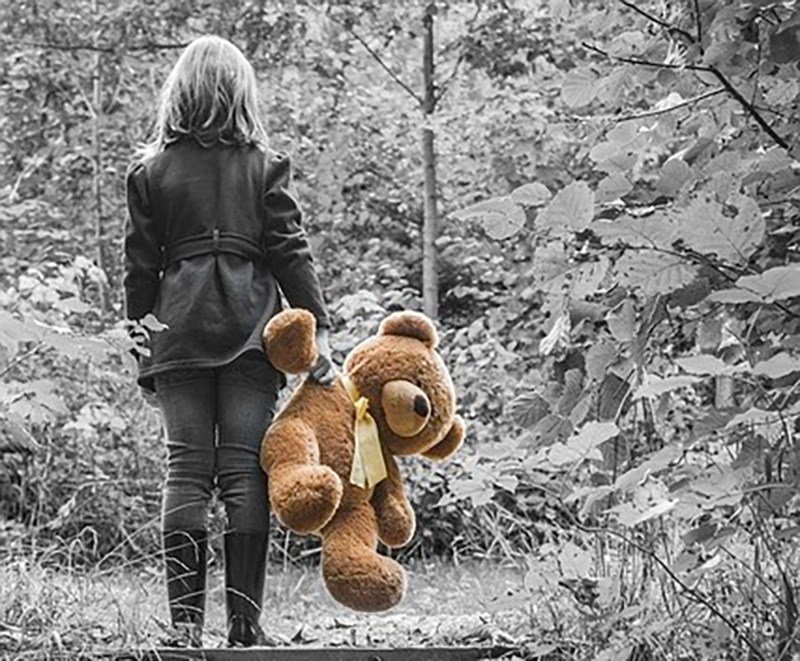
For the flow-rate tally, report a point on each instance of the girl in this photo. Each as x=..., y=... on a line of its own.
x=212, y=233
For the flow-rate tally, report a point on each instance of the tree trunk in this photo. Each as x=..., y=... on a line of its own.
x=97, y=109
x=430, y=285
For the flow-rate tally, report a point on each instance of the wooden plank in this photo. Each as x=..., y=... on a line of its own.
x=318, y=654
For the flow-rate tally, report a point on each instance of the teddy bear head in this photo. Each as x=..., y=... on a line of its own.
x=398, y=371
x=408, y=387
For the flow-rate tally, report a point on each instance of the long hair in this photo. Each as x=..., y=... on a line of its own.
x=211, y=96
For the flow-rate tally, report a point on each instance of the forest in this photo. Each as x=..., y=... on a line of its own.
x=598, y=201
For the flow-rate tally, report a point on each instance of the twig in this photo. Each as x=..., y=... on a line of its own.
x=21, y=358
x=699, y=23
x=103, y=48
x=644, y=63
x=658, y=21
x=751, y=110
x=749, y=107
x=661, y=111
x=376, y=56
x=698, y=596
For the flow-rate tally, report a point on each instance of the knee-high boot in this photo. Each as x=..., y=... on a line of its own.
x=185, y=554
x=245, y=567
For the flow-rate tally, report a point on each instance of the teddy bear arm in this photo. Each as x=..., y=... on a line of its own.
x=449, y=444
x=303, y=493
x=396, y=520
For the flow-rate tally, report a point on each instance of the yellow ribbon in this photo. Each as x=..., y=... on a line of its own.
x=368, y=467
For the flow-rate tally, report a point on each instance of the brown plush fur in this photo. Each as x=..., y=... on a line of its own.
x=308, y=450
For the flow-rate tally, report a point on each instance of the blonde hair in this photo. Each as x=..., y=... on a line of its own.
x=210, y=95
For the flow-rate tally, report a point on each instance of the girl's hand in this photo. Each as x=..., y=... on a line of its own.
x=323, y=371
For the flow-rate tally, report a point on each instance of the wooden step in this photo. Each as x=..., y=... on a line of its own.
x=319, y=654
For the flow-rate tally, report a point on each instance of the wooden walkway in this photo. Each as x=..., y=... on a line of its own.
x=320, y=654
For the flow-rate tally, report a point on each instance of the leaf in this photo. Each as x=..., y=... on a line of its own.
x=500, y=217
x=551, y=428
x=587, y=277
x=776, y=284
x=573, y=388
x=779, y=365
x=560, y=9
x=656, y=463
x=612, y=188
x=705, y=229
x=571, y=209
x=152, y=324
x=557, y=338
x=785, y=45
x=651, y=512
x=782, y=92
x=532, y=195
x=734, y=296
x=613, y=391
x=654, y=231
x=598, y=358
x=555, y=273
x=579, y=87
x=674, y=174
x=592, y=435
x=655, y=386
x=13, y=331
x=528, y=409
x=704, y=364
x=14, y=436
x=622, y=321
x=653, y=272
x=574, y=561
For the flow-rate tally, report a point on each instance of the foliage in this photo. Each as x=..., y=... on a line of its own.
x=618, y=285
x=664, y=417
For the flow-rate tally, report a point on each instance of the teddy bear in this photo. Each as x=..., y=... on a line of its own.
x=329, y=454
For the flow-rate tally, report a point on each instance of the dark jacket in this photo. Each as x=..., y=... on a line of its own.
x=211, y=234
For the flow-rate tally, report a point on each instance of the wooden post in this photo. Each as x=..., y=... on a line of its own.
x=430, y=285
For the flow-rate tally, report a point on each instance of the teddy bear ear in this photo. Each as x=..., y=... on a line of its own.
x=410, y=324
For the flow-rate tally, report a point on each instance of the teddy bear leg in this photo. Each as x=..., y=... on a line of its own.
x=353, y=571
x=303, y=494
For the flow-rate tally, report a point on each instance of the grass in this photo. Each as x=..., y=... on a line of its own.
x=48, y=610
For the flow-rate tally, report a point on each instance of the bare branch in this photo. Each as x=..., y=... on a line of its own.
x=644, y=63
x=101, y=48
x=658, y=21
x=683, y=104
x=692, y=592
x=376, y=56
x=749, y=107
x=699, y=22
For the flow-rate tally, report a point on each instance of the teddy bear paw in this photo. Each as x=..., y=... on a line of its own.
x=365, y=582
x=306, y=498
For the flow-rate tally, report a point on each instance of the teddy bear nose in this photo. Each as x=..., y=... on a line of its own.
x=421, y=407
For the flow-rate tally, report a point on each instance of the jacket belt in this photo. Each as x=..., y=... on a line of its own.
x=215, y=243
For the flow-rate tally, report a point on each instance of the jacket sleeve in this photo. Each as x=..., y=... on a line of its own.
x=142, y=248
x=287, y=244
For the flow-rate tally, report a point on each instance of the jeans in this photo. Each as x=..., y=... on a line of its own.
x=215, y=419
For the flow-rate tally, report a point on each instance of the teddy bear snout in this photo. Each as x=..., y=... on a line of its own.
x=406, y=407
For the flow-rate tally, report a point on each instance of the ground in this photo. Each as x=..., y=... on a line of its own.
x=447, y=604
